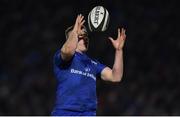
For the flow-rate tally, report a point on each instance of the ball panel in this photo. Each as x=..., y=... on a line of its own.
x=98, y=19
x=89, y=22
x=106, y=21
x=97, y=16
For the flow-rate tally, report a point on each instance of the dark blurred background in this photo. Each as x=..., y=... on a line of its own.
x=32, y=30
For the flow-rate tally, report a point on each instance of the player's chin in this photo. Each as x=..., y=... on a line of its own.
x=84, y=49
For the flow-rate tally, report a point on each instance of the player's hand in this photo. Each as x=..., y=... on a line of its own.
x=119, y=42
x=77, y=30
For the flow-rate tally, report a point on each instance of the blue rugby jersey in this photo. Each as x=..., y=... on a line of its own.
x=76, y=89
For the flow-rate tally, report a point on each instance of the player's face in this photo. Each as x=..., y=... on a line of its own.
x=83, y=42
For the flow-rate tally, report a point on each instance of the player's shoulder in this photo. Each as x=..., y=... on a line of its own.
x=94, y=61
x=56, y=53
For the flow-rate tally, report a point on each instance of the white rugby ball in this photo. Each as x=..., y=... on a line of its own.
x=98, y=19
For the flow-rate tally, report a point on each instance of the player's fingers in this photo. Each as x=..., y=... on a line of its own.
x=81, y=18
x=124, y=33
x=80, y=26
x=119, y=33
x=76, y=23
x=111, y=39
x=82, y=23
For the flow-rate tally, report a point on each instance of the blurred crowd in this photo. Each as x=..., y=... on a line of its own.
x=31, y=31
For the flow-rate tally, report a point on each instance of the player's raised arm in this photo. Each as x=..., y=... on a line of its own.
x=115, y=74
x=69, y=47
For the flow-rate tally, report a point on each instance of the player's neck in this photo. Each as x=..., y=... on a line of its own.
x=79, y=51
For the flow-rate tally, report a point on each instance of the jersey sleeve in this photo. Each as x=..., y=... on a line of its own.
x=57, y=58
x=58, y=61
x=99, y=67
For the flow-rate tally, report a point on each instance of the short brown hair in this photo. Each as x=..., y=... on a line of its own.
x=71, y=28
x=68, y=30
